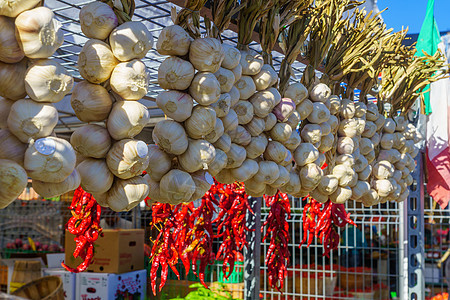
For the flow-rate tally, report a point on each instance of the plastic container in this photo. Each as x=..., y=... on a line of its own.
x=237, y=276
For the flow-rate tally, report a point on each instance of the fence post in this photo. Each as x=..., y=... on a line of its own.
x=415, y=234
x=252, y=254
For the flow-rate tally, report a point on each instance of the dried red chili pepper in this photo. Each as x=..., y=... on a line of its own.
x=85, y=225
x=277, y=257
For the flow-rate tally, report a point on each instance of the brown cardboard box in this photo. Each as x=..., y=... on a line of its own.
x=118, y=251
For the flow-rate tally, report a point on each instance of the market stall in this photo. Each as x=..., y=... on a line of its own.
x=220, y=128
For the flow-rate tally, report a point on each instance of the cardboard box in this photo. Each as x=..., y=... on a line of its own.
x=54, y=260
x=98, y=286
x=118, y=251
x=68, y=279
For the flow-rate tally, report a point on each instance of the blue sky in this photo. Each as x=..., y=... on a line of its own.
x=412, y=12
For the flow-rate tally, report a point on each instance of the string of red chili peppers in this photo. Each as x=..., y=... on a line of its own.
x=277, y=257
x=85, y=225
x=186, y=233
x=233, y=205
x=324, y=223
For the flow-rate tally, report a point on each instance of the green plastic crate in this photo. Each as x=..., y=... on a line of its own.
x=237, y=276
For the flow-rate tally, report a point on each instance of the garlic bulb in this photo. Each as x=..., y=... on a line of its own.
x=5, y=108
x=294, y=120
x=219, y=162
x=305, y=108
x=365, y=174
x=234, y=96
x=49, y=159
x=235, y=156
x=293, y=141
x=270, y=121
x=251, y=62
x=244, y=112
x=281, y=132
x=348, y=128
x=361, y=188
x=345, y=145
x=305, y=154
x=383, y=187
x=310, y=176
x=275, y=151
x=31, y=120
x=217, y=132
x=12, y=80
x=247, y=170
x=131, y=40
x=293, y=186
x=170, y=137
x=389, y=126
x=159, y=163
x=127, y=158
x=127, y=194
x=328, y=184
x=311, y=133
x=95, y=175
x=237, y=71
x=360, y=110
x=372, y=112
x=177, y=186
x=97, y=20
x=320, y=93
x=263, y=102
x=284, y=109
x=240, y=136
x=11, y=148
x=223, y=143
x=341, y=195
x=380, y=122
x=230, y=121
x=176, y=105
x=387, y=141
x=254, y=188
x=38, y=32
x=91, y=102
x=50, y=190
x=222, y=106
x=173, y=40
x=13, y=180
x=345, y=174
x=297, y=92
x=335, y=104
x=130, y=80
x=246, y=87
x=270, y=191
x=283, y=177
x=326, y=143
x=203, y=181
x=225, y=177
x=154, y=192
x=199, y=155
x=360, y=164
x=10, y=51
x=345, y=159
x=201, y=122
x=319, y=114
x=347, y=109
x=14, y=8
x=268, y=172
x=127, y=119
x=96, y=61
x=175, y=73
x=232, y=56
x=226, y=79
x=206, y=54
x=205, y=88
x=265, y=77
x=47, y=81
x=256, y=126
x=257, y=146
x=400, y=122
x=91, y=141
x=383, y=170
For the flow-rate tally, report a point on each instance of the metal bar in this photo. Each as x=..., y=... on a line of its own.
x=252, y=254
x=415, y=223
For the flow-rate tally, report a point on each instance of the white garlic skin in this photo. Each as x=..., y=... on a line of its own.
x=97, y=20
x=130, y=80
x=173, y=40
x=96, y=61
x=10, y=51
x=130, y=40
